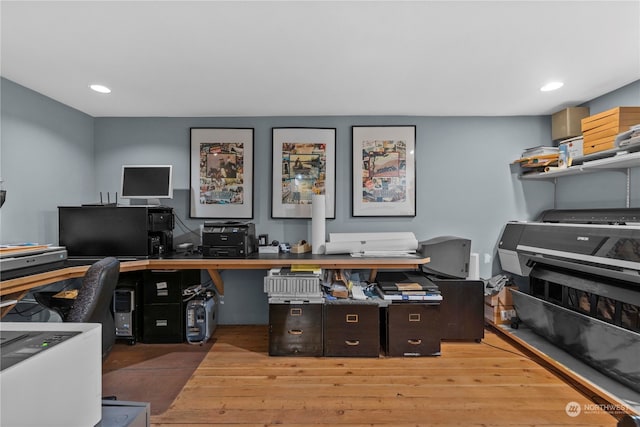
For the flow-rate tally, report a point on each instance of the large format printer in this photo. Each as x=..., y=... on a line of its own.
x=584, y=284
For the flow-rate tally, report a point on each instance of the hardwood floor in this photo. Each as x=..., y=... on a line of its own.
x=471, y=384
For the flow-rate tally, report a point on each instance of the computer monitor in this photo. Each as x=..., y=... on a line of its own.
x=449, y=256
x=99, y=231
x=149, y=182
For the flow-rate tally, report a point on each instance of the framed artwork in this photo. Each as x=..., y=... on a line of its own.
x=384, y=171
x=304, y=164
x=221, y=173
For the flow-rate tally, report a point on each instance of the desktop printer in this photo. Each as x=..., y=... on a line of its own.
x=228, y=239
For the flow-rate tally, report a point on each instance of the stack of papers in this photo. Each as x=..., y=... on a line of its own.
x=384, y=254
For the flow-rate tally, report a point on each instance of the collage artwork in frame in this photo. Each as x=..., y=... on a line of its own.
x=383, y=171
x=221, y=173
x=303, y=165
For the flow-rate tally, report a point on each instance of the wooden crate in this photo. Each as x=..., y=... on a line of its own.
x=600, y=130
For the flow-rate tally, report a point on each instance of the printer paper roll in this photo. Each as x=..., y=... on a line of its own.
x=317, y=223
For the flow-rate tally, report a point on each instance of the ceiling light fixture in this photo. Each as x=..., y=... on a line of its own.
x=100, y=88
x=551, y=86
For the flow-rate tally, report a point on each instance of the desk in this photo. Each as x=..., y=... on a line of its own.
x=17, y=288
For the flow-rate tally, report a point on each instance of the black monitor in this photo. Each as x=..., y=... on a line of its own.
x=149, y=182
x=99, y=231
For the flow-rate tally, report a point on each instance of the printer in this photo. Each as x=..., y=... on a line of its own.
x=21, y=260
x=228, y=239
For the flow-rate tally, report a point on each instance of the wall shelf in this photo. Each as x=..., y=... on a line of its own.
x=621, y=162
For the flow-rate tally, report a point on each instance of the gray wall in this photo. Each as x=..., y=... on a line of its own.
x=53, y=155
x=464, y=183
x=607, y=189
x=46, y=160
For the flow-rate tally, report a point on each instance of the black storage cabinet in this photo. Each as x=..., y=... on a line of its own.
x=351, y=328
x=411, y=329
x=295, y=329
x=163, y=309
x=461, y=309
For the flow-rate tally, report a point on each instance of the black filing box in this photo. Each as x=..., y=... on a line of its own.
x=411, y=329
x=351, y=328
x=163, y=308
x=295, y=329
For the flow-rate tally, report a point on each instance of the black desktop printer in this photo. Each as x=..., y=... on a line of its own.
x=228, y=239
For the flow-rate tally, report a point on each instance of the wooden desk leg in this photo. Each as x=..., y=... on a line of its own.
x=16, y=296
x=217, y=280
x=372, y=275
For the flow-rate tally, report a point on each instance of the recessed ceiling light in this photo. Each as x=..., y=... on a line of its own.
x=100, y=88
x=551, y=86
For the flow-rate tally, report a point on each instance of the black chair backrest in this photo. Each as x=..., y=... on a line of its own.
x=95, y=294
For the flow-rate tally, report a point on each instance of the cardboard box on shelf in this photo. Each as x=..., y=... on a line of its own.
x=567, y=123
x=600, y=130
x=609, y=118
x=574, y=146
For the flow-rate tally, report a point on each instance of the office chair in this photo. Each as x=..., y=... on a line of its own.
x=93, y=303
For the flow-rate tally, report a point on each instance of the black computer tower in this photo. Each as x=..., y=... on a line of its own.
x=124, y=312
x=127, y=307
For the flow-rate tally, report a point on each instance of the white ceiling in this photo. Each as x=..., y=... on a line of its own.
x=262, y=58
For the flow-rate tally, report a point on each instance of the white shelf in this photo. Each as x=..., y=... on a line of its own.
x=619, y=162
x=623, y=161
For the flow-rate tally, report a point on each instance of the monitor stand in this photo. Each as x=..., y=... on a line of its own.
x=150, y=203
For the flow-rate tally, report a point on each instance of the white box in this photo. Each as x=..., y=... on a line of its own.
x=268, y=249
x=574, y=147
x=60, y=386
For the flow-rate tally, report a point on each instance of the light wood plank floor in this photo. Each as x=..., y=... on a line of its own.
x=471, y=384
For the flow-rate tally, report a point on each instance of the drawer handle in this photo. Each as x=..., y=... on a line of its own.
x=295, y=312
x=352, y=318
x=414, y=342
x=352, y=342
x=414, y=317
x=295, y=331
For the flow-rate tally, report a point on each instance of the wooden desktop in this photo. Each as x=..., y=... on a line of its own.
x=17, y=288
